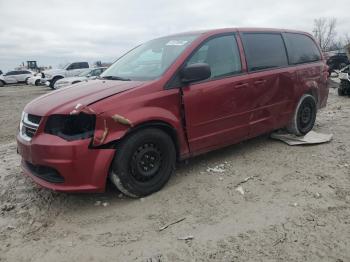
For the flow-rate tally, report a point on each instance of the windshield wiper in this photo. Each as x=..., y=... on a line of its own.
x=116, y=78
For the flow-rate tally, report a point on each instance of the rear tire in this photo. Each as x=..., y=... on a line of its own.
x=143, y=163
x=304, y=116
x=37, y=82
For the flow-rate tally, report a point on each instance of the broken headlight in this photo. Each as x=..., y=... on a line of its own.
x=71, y=127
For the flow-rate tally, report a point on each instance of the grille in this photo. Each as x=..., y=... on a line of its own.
x=34, y=119
x=29, y=131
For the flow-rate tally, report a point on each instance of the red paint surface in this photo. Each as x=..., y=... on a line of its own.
x=217, y=113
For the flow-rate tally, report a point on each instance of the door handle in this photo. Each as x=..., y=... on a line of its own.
x=241, y=85
x=259, y=82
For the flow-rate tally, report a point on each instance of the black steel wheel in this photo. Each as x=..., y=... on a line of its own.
x=143, y=162
x=304, y=117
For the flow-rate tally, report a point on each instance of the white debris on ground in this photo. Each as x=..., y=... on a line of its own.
x=310, y=138
x=217, y=169
x=240, y=190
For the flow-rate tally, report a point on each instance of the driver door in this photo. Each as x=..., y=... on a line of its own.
x=217, y=110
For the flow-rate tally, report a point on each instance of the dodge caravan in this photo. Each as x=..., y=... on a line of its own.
x=170, y=99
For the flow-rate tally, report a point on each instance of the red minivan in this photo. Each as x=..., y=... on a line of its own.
x=170, y=99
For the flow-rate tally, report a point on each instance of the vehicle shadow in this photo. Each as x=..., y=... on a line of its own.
x=114, y=197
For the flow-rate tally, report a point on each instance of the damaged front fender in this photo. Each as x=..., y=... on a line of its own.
x=112, y=126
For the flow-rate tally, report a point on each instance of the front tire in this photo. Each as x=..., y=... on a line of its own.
x=2, y=83
x=304, y=116
x=143, y=162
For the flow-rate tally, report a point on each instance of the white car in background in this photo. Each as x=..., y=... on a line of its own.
x=15, y=76
x=36, y=79
x=90, y=73
x=70, y=69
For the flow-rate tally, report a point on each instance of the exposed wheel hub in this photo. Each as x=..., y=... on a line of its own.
x=306, y=115
x=146, y=162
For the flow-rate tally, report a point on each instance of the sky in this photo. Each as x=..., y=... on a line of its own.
x=55, y=32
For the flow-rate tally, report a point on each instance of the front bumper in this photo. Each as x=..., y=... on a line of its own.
x=65, y=166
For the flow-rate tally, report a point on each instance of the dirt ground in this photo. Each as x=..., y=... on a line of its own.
x=295, y=206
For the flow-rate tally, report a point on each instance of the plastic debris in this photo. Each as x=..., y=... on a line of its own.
x=240, y=190
x=217, y=169
x=309, y=139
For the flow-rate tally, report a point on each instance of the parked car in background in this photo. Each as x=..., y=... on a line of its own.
x=70, y=69
x=36, y=79
x=337, y=62
x=169, y=99
x=90, y=73
x=344, y=86
x=15, y=76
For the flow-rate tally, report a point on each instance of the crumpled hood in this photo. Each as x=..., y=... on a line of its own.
x=63, y=101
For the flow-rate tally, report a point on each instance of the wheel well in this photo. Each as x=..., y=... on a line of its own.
x=59, y=77
x=75, y=82
x=314, y=93
x=167, y=128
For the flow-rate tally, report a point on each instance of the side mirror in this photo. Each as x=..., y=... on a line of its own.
x=195, y=72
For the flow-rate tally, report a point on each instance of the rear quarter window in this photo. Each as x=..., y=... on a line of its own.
x=301, y=49
x=264, y=50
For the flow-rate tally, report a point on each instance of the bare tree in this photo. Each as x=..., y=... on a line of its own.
x=324, y=32
x=346, y=39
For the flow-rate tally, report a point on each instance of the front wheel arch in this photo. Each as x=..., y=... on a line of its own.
x=54, y=80
x=164, y=126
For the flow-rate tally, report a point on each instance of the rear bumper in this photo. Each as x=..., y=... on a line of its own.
x=65, y=166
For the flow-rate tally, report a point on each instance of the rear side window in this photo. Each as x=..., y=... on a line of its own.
x=264, y=50
x=301, y=49
x=83, y=65
x=221, y=54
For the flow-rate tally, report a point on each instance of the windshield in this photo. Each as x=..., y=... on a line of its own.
x=85, y=72
x=149, y=60
x=63, y=66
